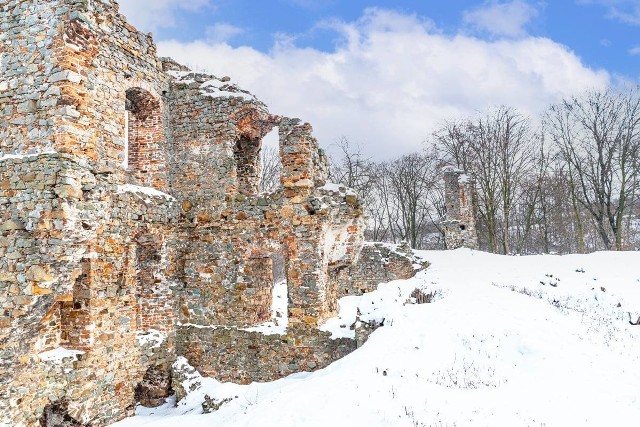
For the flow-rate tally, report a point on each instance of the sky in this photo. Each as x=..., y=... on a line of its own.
x=385, y=74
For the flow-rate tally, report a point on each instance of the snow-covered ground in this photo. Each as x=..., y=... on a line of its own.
x=508, y=341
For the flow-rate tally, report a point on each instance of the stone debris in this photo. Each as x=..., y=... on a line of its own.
x=130, y=222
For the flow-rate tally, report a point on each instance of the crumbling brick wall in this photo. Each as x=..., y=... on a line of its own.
x=244, y=357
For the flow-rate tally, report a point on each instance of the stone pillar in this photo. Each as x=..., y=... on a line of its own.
x=460, y=199
x=304, y=165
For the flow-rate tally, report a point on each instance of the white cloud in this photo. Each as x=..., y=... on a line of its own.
x=635, y=50
x=149, y=15
x=308, y=4
x=222, y=32
x=631, y=17
x=501, y=19
x=627, y=11
x=393, y=78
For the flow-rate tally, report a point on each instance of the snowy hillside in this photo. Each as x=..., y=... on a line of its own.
x=507, y=341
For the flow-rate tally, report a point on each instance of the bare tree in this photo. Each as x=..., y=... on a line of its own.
x=532, y=208
x=598, y=137
x=498, y=148
x=271, y=167
x=411, y=179
x=453, y=141
x=379, y=207
x=352, y=169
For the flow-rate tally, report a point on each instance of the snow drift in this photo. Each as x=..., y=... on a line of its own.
x=505, y=341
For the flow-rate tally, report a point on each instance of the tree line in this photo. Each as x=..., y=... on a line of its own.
x=568, y=182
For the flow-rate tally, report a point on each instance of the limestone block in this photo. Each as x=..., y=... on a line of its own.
x=12, y=225
x=38, y=273
x=69, y=191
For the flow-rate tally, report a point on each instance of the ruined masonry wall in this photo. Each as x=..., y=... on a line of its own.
x=68, y=279
x=206, y=128
x=61, y=79
x=378, y=263
x=244, y=357
x=237, y=355
x=110, y=57
x=108, y=255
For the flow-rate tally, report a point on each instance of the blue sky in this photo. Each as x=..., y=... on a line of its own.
x=446, y=58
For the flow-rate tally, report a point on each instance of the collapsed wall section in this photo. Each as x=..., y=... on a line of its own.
x=377, y=263
x=244, y=356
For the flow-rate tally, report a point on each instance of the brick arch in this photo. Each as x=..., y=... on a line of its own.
x=253, y=124
x=145, y=159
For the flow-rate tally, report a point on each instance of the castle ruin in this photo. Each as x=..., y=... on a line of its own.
x=459, y=224
x=132, y=229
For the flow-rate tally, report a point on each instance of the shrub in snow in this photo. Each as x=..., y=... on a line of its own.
x=418, y=296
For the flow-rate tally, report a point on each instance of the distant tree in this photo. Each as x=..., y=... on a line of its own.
x=412, y=180
x=352, y=169
x=499, y=149
x=598, y=137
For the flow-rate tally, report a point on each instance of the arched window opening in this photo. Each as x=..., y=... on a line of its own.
x=144, y=133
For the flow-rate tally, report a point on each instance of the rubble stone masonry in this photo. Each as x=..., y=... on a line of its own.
x=131, y=227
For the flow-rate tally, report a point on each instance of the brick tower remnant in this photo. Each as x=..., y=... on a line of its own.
x=460, y=200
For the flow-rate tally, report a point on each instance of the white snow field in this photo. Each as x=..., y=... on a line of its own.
x=508, y=341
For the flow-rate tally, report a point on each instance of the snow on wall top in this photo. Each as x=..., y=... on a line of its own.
x=129, y=188
x=211, y=86
x=24, y=156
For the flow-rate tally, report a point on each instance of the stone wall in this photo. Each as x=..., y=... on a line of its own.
x=110, y=57
x=231, y=353
x=129, y=210
x=30, y=87
x=239, y=356
x=217, y=130
x=460, y=202
x=68, y=241
x=378, y=263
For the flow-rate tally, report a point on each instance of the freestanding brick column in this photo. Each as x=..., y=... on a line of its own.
x=460, y=200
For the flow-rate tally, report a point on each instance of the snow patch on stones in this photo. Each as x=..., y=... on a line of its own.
x=60, y=355
x=151, y=338
x=129, y=188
